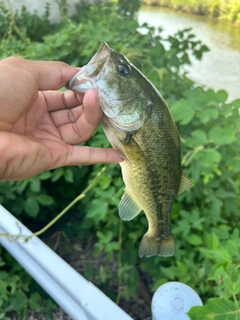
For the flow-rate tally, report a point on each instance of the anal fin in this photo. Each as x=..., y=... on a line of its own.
x=128, y=209
x=185, y=183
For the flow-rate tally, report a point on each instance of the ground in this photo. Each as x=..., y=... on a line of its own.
x=138, y=307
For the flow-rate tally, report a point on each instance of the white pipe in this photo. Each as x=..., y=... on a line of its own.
x=80, y=299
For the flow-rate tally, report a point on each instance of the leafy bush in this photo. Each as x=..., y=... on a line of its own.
x=205, y=219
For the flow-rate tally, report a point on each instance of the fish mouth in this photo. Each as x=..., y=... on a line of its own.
x=103, y=52
x=83, y=80
x=88, y=77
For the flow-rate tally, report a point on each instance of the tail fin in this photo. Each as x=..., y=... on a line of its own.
x=151, y=246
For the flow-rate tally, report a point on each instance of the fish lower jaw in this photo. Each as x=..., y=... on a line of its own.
x=83, y=86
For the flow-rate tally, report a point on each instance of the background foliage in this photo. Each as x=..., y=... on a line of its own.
x=205, y=219
x=219, y=9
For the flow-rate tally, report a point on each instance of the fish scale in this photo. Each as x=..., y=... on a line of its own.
x=138, y=123
x=156, y=181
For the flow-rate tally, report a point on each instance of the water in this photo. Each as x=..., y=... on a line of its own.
x=219, y=68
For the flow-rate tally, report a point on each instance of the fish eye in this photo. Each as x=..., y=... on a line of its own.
x=123, y=69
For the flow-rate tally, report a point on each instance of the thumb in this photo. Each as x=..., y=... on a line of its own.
x=49, y=75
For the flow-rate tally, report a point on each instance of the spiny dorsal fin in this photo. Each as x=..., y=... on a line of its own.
x=185, y=183
x=128, y=209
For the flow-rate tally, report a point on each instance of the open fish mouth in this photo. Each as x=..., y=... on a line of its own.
x=103, y=52
x=83, y=80
x=91, y=75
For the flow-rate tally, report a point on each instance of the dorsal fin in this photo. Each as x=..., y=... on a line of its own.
x=185, y=183
x=128, y=209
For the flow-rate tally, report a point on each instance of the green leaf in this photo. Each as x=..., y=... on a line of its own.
x=104, y=182
x=105, y=237
x=207, y=157
x=200, y=134
x=35, y=185
x=182, y=112
x=68, y=175
x=221, y=95
x=232, y=247
x=35, y=302
x=4, y=293
x=221, y=193
x=185, y=59
x=174, y=61
x=221, y=255
x=216, y=309
x=208, y=114
x=217, y=205
x=113, y=245
x=198, y=138
x=235, y=165
x=18, y=301
x=45, y=175
x=204, y=48
x=233, y=274
x=169, y=273
x=194, y=239
x=212, y=241
x=228, y=279
x=221, y=136
x=57, y=174
x=45, y=200
x=31, y=207
x=222, y=232
x=97, y=209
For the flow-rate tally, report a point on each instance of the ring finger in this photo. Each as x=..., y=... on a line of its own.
x=62, y=117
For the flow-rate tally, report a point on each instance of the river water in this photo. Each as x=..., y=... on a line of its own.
x=219, y=68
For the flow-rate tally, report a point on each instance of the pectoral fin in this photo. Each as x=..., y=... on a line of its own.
x=123, y=155
x=185, y=184
x=128, y=209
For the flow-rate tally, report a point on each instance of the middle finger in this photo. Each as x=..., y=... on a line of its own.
x=59, y=100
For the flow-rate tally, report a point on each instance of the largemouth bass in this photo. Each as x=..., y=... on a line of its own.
x=138, y=123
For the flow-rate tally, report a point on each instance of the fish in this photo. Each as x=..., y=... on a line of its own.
x=138, y=123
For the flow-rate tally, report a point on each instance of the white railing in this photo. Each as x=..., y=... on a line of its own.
x=80, y=299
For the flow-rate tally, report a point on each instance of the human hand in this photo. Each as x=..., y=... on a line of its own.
x=39, y=125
